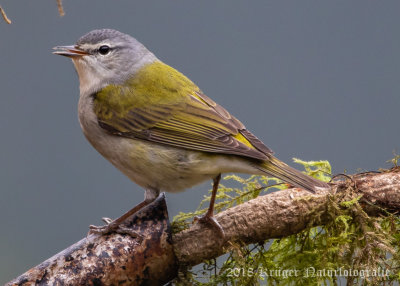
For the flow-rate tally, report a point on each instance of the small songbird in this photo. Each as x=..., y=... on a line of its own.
x=158, y=128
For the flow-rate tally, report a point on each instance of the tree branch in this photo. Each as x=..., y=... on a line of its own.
x=121, y=260
x=281, y=214
x=114, y=259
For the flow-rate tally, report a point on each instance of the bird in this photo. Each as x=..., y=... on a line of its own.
x=158, y=128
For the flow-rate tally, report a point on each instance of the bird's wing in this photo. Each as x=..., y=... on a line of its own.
x=161, y=105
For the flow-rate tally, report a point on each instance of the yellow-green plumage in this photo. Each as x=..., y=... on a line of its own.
x=162, y=106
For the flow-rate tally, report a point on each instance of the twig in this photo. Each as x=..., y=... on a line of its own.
x=60, y=8
x=3, y=13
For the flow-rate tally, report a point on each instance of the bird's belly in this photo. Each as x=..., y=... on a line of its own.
x=151, y=165
x=165, y=168
x=156, y=166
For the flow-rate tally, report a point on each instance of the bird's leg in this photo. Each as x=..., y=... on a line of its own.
x=115, y=225
x=208, y=217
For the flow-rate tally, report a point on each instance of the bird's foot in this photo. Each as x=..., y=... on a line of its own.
x=210, y=220
x=112, y=226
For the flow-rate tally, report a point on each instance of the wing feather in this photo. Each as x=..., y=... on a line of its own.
x=191, y=120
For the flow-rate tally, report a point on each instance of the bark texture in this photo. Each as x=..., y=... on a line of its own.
x=114, y=259
x=121, y=260
x=284, y=213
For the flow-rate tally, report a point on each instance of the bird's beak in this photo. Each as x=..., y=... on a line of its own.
x=69, y=51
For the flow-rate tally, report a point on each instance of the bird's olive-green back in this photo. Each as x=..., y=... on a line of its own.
x=161, y=105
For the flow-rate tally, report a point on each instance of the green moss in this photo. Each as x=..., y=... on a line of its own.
x=350, y=247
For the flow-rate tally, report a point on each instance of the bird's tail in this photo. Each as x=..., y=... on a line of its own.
x=278, y=169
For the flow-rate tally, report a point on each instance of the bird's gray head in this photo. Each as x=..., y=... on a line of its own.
x=106, y=56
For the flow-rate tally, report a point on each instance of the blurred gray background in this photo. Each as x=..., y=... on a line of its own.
x=312, y=79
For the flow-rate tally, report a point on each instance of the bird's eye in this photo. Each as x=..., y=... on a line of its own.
x=104, y=50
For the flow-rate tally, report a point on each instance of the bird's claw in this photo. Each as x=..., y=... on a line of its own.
x=210, y=220
x=107, y=220
x=103, y=230
x=113, y=227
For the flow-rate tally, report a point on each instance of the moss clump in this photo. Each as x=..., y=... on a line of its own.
x=351, y=247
